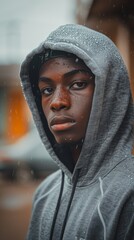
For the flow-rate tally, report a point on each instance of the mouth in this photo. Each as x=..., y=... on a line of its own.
x=61, y=123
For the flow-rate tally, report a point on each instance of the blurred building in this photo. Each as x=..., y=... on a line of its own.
x=23, y=25
x=116, y=20
x=14, y=113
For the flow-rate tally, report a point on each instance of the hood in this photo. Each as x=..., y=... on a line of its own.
x=108, y=139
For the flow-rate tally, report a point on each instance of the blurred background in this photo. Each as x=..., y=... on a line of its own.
x=24, y=161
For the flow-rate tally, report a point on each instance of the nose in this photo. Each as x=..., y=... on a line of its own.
x=60, y=100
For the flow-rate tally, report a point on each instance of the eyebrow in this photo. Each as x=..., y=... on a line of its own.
x=68, y=74
x=44, y=79
x=73, y=72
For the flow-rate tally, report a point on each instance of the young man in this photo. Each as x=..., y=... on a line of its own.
x=78, y=90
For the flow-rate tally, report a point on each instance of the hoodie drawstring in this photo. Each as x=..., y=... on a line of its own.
x=99, y=210
x=57, y=206
x=68, y=207
x=69, y=204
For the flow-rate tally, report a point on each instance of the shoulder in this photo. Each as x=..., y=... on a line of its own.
x=118, y=184
x=126, y=217
x=122, y=176
x=48, y=184
x=126, y=173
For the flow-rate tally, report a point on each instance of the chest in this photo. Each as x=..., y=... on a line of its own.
x=88, y=213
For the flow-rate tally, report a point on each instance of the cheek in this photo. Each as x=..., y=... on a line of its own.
x=83, y=113
x=83, y=106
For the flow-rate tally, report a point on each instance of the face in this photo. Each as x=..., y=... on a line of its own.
x=67, y=89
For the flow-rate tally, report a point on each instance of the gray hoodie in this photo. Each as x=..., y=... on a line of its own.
x=96, y=200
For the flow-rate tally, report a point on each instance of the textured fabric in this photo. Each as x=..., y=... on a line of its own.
x=102, y=207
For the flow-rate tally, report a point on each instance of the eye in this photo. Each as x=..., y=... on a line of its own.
x=79, y=85
x=46, y=91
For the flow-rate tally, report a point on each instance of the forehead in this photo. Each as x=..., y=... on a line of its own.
x=61, y=64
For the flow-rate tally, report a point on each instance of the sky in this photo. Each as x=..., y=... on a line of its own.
x=24, y=24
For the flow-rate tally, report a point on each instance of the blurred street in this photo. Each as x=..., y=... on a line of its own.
x=15, y=208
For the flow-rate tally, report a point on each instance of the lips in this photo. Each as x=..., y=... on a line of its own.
x=61, y=123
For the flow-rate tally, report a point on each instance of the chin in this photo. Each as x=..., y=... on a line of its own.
x=69, y=141
x=64, y=141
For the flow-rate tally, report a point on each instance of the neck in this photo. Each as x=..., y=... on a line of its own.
x=68, y=153
x=75, y=151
